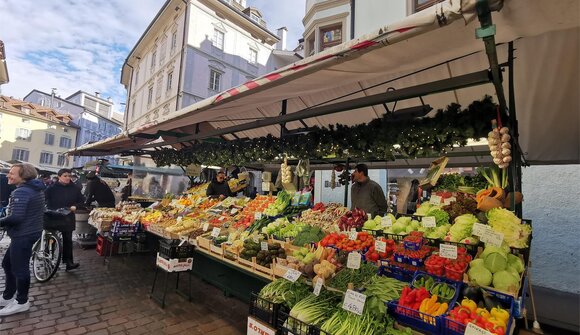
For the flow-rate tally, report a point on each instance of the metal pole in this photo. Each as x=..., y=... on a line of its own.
x=516, y=166
x=346, y=185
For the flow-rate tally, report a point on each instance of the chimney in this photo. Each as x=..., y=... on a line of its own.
x=98, y=94
x=281, y=32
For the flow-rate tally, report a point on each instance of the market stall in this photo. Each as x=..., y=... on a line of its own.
x=464, y=243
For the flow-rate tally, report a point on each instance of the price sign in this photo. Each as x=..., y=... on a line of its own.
x=352, y=235
x=435, y=199
x=215, y=232
x=234, y=211
x=179, y=219
x=292, y=275
x=447, y=201
x=221, y=218
x=386, y=222
x=257, y=215
x=318, y=286
x=353, y=260
x=472, y=329
x=354, y=302
x=381, y=246
x=429, y=222
x=492, y=238
x=448, y=251
x=479, y=229
x=264, y=246
x=255, y=239
x=206, y=226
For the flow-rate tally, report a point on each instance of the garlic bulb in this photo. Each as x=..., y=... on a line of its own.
x=507, y=159
x=497, y=160
x=505, y=138
x=494, y=153
x=499, y=147
x=506, y=145
x=506, y=152
x=286, y=172
x=504, y=130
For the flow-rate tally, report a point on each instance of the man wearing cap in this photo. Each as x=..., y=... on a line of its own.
x=219, y=186
x=97, y=190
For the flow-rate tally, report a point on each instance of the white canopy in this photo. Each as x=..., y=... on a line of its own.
x=414, y=51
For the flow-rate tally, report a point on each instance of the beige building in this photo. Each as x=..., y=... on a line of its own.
x=35, y=134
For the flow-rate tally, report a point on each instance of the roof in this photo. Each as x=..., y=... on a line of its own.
x=432, y=45
x=37, y=111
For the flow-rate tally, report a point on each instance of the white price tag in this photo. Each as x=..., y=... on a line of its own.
x=221, y=218
x=264, y=246
x=448, y=251
x=353, y=260
x=255, y=239
x=492, y=238
x=215, y=232
x=318, y=286
x=206, y=226
x=179, y=219
x=257, y=215
x=429, y=222
x=472, y=329
x=479, y=229
x=369, y=216
x=354, y=302
x=386, y=222
x=292, y=275
x=435, y=199
x=234, y=211
x=381, y=246
x=352, y=235
x=447, y=201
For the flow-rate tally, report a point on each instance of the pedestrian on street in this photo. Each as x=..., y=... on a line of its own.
x=128, y=188
x=365, y=193
x=65, y=194
x=98, y=190
x=23, y=223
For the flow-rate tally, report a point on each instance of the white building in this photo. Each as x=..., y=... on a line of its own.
x=196, y=49
x=331, y=22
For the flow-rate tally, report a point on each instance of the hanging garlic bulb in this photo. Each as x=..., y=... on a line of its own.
x=286, y=172
x=499, y=147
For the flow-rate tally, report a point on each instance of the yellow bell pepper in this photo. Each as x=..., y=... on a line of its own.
x=423, y=307
x=442, y=309
x=501, y=314
x=483, y=313
x=497, y=322
x=433, y=308
x=469, y=304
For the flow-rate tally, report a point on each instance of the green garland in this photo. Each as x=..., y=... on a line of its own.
x=380, y=139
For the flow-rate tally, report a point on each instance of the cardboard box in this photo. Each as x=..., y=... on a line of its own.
x=174, y=264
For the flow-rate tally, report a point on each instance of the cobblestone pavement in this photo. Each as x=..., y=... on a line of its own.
x=114, y=299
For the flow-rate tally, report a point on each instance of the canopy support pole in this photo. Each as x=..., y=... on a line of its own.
x=516, y=166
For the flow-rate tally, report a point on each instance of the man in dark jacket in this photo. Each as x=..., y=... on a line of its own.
x=367, y=194
x=219, y=187
x=97, y=190
x=5, y=190
x=23, y=223
x=65, y=194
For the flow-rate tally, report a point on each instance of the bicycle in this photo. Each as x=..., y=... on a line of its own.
x=47, y=251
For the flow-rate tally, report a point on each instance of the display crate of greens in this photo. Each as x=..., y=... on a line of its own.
x=265, y=310
x=288, y=325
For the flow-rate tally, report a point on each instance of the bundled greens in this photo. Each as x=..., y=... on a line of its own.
x=380, y=290
x=285, y=292
x=312, y=310
x=346, y=323
x=357, y=277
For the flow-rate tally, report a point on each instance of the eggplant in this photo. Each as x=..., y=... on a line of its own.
x=473, y=293
x=490, y=301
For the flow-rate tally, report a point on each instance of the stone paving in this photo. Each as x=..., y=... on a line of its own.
x=114, y=299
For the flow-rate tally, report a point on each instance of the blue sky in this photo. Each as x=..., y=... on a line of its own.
x=81, y=45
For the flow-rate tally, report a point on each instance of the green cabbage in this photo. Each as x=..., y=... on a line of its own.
x=491, y=249
x=515, y=233
x=480, y=275
x=476, y=262
x=441, y=216
x=424, y=208
x=506, y=281
x=495, y=262
x=461, y=228
x=516, y=263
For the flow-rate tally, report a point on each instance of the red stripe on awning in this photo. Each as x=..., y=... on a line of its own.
x=251, y=84
x=363, y=45
x=273, y=76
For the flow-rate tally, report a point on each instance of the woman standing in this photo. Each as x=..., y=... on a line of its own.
x=65, y=194
x=23, y=223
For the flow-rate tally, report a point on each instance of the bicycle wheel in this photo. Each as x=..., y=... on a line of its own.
x=45, y=262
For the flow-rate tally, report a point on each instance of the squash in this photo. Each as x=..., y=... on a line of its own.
x=519, y=197
x=487, y=203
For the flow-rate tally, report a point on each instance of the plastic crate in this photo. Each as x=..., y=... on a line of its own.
x=264, y=310
x=119, y=230
x=172, y=249
x=395, y=272
x=394, y=237
x=288, y=325
x=421, y=322
x=374, y=232
x=452, y=327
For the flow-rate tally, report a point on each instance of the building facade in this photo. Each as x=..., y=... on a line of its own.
x=3, y=67
x=35, y=134
x=194, y=50
x=328, y=23
x=94, y=116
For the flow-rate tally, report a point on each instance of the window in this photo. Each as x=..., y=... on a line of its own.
x=91, y=104
x=253, y=56
x=23, y=134
x=254, y=17
x=48, y=138
x=153, y=59
x=169, y=81
x=46, y=158
x=62, y=160
x=214, y=80
x=20, y=154
x=150, y=96
x=419, y=5
x=218, y=39
x=65, y=142
x=26, y=110
x=174, y=40
x=133, y=110
x=137, y=77
x=331, y=36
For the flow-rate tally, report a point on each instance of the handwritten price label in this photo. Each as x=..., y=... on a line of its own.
x=435, y=200
x=448, y=201
x=492, y=238
x=381, y=246
x=353, y=260
x=206, y=226
x=234, y=211
x=215, y=232
x=264, y=246
x=292, y=275
x=429, y=222
x=479, y=229
x=448, y=251
x=354, y=302
x=472, y=329
x=318, y=286
x=352, y=235
x=386, y=222
x=255, y=239
x=257, y=215
x=179, y=219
